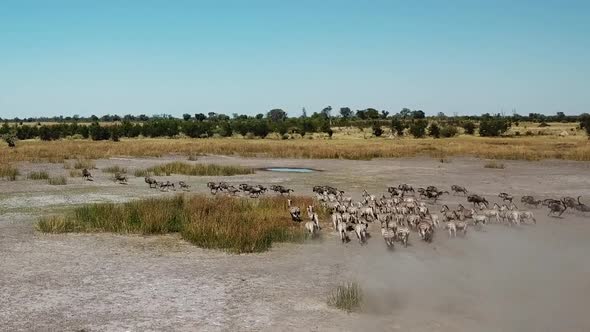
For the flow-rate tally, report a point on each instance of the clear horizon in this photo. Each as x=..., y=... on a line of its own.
x=159, y=57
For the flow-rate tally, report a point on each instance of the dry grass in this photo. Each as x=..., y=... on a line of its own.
x=57, y=181
x=198, y=169
x=75, y=173
x=346, y=297
x=238, y=225
x=116, y=169
x=525, y=148
x=493, y=164
x=77, y=164
x=140, y=173
x=41, y=175
x=8, y=172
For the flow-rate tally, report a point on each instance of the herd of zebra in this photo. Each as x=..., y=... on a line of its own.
x=402, y=212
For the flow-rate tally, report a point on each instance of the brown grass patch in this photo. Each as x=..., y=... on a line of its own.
x=518, y=148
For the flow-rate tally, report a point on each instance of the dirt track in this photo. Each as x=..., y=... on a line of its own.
x=527, y=278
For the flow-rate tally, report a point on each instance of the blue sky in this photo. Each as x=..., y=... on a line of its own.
x=470, y=57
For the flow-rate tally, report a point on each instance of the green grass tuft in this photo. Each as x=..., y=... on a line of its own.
x=198, y=169
x=346, y=297
x=237, y=225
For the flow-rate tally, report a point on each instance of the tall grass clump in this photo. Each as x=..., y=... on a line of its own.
x=347, y=296
x=198, y=169
x=116, y=169
x=75, y=173
x=493, y=164
x=237, y=225
x=9, y=172
x=57, y=181
x=140, y=173
x=80, y=164
x=41, y=175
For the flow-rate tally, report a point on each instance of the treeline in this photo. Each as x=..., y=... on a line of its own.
x=344, y=116
x=406, y=122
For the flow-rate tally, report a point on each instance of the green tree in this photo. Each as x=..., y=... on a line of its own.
x=346, y=112
x=186, y=117
x=276, y=115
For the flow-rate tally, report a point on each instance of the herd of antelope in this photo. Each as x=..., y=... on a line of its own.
x=405, y=210
x=400, y=212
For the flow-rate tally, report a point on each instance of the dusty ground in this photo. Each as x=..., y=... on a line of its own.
x=528, y=278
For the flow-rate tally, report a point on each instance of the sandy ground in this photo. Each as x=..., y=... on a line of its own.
x=526, y=278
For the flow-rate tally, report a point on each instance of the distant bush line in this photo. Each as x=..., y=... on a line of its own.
x=414, y=122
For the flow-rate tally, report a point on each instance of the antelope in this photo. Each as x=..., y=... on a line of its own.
x=86, y=175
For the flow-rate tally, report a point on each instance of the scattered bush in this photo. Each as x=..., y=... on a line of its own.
x=57, y=181
x=41, y=175
x=346, y=297
x=434, y=130
x=398, y=126
x=238, y=225
x=377, y=131
x=494, y=126
x=448, y=131
x=585, y=124
x=469, y=127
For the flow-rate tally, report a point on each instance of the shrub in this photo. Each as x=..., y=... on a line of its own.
x=398, y=126
x=238, y=225
x=585, y=124
x=57, y=181
x=41, y=175
x=346, y=297
x=448, y=131
x=377, y=131
x=10, y=139
x=418, y=128
x=544, y=124
x=434, y=130
x=493, y=127
x=469, y=127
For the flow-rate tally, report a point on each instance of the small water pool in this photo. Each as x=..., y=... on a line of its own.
x=290, y=169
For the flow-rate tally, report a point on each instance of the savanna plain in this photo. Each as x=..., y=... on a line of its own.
x=114, y=255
